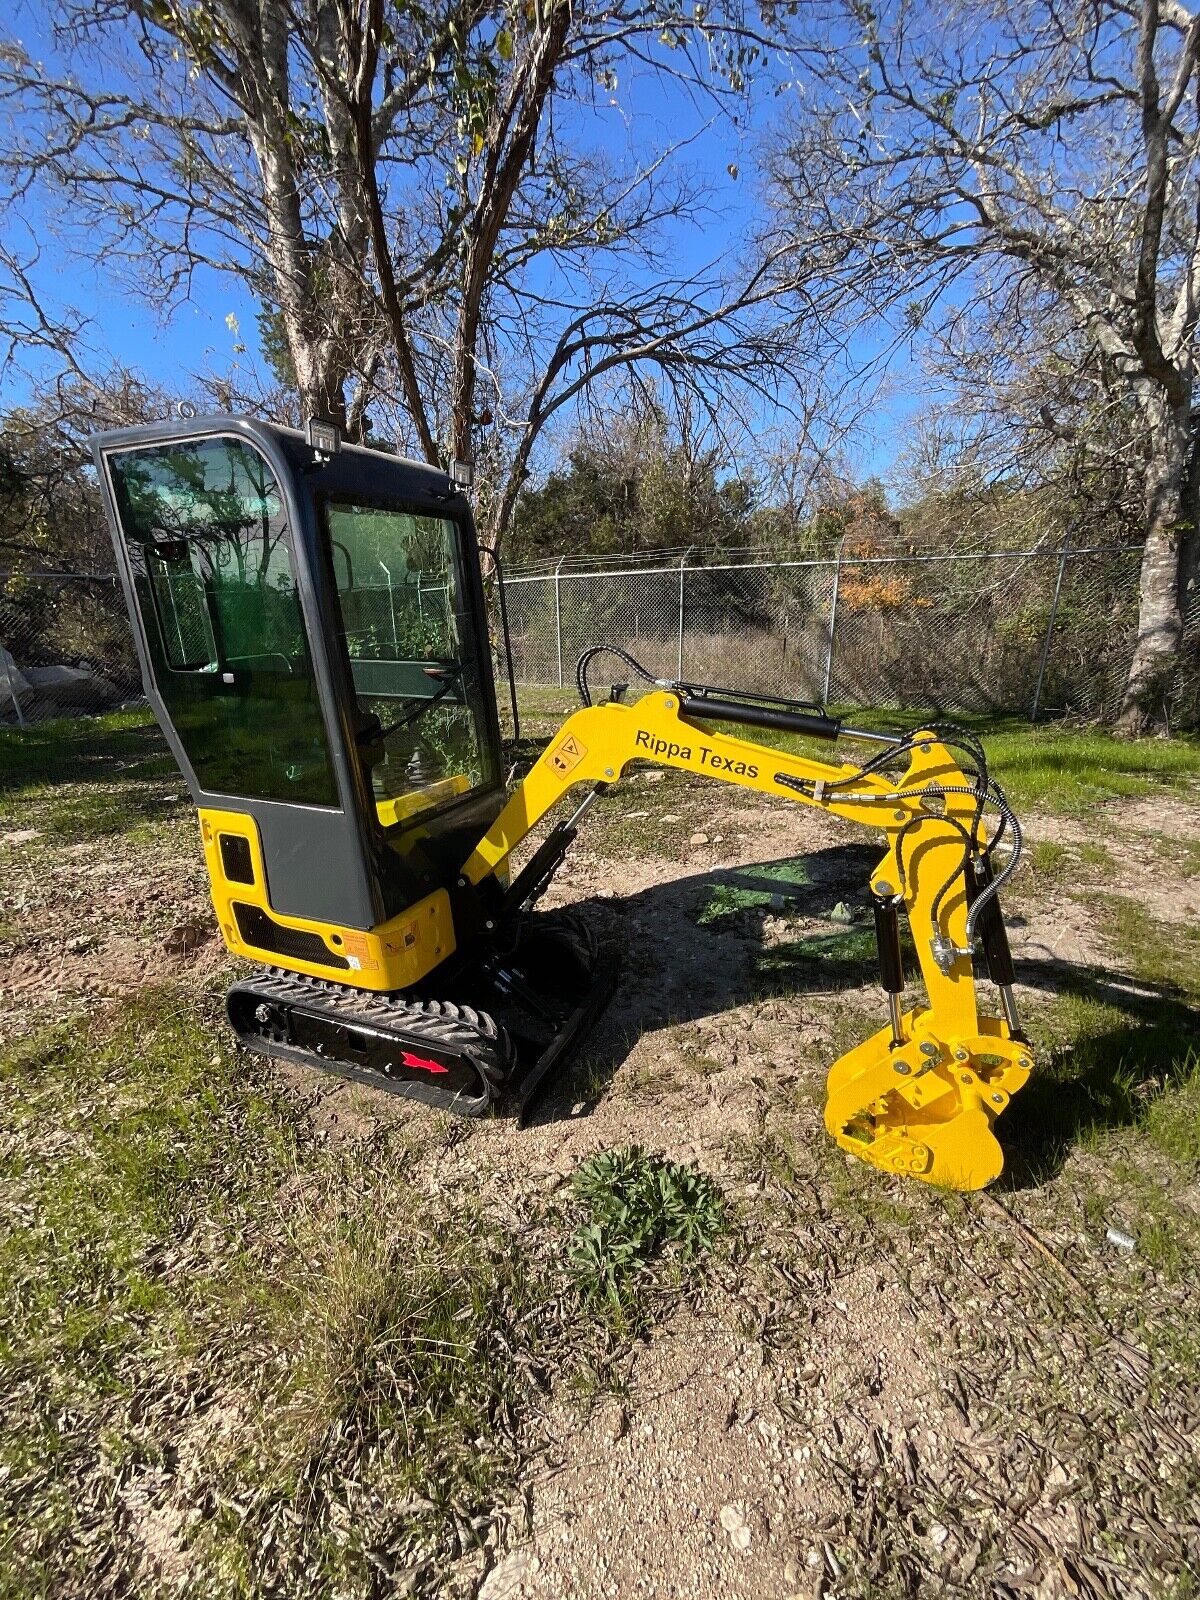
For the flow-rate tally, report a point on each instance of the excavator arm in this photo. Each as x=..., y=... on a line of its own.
x=919, y=1097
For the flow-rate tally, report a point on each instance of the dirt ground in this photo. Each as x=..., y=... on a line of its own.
x=887, y=1390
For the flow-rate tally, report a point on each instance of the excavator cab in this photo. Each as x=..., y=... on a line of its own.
x=311, y=625
x=312, y=633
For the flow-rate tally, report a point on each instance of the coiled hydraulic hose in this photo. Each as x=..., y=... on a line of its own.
x=589, y=655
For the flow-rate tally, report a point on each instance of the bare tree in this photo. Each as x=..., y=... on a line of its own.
x=27, y=325
x=708, y=347
x=176, y=137
x=51, y=515
x=399, y=187
x=1014, y=162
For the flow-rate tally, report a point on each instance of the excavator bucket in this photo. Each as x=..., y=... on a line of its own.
x=927, y=1110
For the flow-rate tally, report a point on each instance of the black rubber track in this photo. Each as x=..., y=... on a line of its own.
x=462, y=1030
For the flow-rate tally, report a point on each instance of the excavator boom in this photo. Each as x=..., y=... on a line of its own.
x=919, y=1097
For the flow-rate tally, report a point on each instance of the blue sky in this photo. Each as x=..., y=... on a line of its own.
x=170, y=345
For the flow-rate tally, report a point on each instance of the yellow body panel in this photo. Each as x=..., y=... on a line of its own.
x=394, y=955
x=925, y=1110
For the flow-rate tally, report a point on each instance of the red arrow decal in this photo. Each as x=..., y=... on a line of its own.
x=422, y=1063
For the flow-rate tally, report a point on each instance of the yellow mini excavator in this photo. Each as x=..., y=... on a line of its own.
x=311, y=624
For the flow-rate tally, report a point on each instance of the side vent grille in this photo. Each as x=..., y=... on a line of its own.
x=264, y=933
x=236, y=860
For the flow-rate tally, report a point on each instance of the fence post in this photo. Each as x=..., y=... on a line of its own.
x=12, y=690
x=558, y=617
x=682, y=564
x=1041, y=677
x=837, y=579
x=392, y=602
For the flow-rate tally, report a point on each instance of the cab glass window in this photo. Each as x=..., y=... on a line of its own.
x=413, y=654
x=210, y=548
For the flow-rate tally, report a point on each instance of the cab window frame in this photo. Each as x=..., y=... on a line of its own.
x=474, y=643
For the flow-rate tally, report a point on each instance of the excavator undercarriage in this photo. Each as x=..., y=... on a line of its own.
x=514, y=1016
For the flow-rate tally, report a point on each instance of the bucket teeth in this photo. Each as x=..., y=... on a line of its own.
x=926, y=1109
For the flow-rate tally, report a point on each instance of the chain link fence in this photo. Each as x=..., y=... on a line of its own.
x=1033, y=632
x=65, y=646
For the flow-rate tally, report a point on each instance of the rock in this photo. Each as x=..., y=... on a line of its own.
x=698, y=838
x=670, y=817
x=20, y=836
x=636, y=816
x=841, y=913
x=736, y=1527
x=653, y=777
x=938, y=1534
x=505, y=1580
x=73, y=686
x=614, y=1422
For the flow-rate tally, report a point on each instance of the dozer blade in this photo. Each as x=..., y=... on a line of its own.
x=490, y=1030
x=926, y=1108
x=557, y=984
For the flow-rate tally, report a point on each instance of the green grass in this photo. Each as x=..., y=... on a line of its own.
x=1050, y=766
x=78, y=749
x=727, y=903
x=175, y=1245
x=74, y=814
x=1154, y=952
x=840, y=959
x=86, y=778
x=1049, y=859
x=1109, y=1064
x=1096, y=857
x=316, y=1368
x=1119, y=1071
x=639, y=1215
x=1171, y=1119
x=1064, y=769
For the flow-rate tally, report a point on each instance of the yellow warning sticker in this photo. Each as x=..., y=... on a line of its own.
x=358, y=952
x=568, y=755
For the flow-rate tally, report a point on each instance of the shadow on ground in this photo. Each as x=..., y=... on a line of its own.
x=104, y=749
x=692, y=949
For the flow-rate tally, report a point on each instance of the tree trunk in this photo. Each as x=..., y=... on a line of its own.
x=1160, y=613
x=323, y=396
